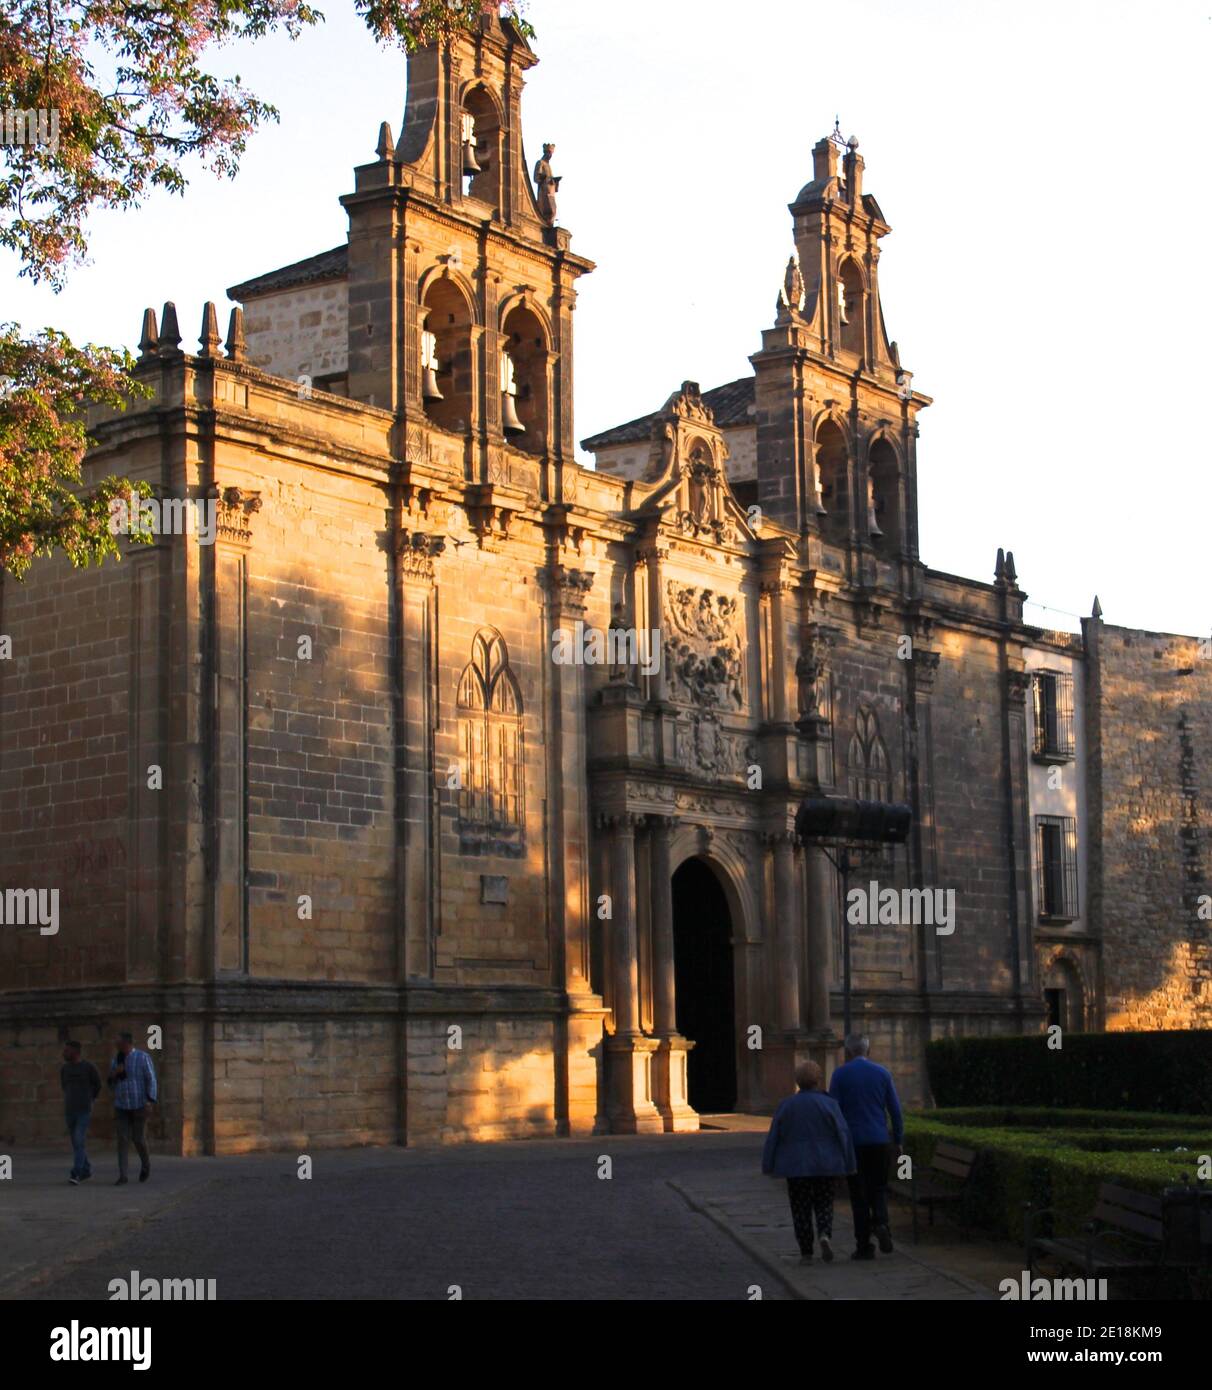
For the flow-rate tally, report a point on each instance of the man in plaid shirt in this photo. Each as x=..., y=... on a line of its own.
x=132, y=1078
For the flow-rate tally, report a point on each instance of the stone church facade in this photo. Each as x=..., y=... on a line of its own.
x=477, y=768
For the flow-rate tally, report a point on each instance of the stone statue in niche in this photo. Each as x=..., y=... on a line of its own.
x=547, y=185
x=700, y=498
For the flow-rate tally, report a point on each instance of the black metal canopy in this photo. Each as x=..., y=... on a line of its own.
x=843, y=818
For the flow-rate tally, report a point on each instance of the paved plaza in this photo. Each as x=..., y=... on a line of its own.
x=679, y=1217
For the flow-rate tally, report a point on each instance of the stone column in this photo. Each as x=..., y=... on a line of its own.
x=235, y=510
x=923, y=670
x=787, y=934
x=782, y=1045
x=417, y=553
x=821, y=905
x=629, y=1052
x=1018, y=686
x=669, y=1063
x=626, y=952
x=568, y=854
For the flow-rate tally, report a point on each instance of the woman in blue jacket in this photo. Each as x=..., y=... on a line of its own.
x=809, y=1144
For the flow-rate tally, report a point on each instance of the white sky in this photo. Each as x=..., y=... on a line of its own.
x=1044, y=167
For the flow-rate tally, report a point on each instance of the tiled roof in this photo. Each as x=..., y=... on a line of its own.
x=328, y=265
x=729, y=404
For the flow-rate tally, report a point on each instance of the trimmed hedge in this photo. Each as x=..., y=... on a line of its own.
x=1041, y=1117
x=1047, y=1168
x=1150, y=1072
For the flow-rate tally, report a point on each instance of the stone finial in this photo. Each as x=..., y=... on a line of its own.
x=236, y=346
x=170, y=334
x=999, y=570
x=1097, y=611
x=209, y=338
x=149, y=339
x=1011, y=571
x=386, y=148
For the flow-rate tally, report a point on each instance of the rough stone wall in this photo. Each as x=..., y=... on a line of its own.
x=1151, y=714
x=320, y=756
x=499, y=1084
x=301, y=1084
x=970, y=817
x=64, y=716
x=300, y=332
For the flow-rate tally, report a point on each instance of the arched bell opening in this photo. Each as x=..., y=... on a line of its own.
x=480, y=147
x=524, y=403
x=851, y=306
x=883, y=498
x=833, y=482
x=447, y=369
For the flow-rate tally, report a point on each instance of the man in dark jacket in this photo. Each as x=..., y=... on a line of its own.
x=81, y=1084
x=809, y=1145
x=868, y=1100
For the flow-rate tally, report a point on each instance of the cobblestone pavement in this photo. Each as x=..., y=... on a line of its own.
x=527, y=1220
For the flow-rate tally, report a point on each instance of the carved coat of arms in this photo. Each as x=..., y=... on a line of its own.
x=703, y=647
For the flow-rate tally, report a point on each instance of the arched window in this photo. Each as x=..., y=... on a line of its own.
x=490, y=747
x=524, y=381
x=851, y=307
x=883, y=498
x=868, y=772
x=447, y=375
x=481, y=147
x=831, y=463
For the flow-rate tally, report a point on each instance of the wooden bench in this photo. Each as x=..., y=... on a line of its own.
x=1125, y=1236
x=945, y=1183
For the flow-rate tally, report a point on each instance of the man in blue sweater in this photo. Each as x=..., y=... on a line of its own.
x=868, y=1100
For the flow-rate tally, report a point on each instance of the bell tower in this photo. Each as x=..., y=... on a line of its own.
x=461, y=281
x=836, y=412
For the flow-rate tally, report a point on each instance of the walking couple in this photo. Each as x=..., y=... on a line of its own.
x=815, y=1138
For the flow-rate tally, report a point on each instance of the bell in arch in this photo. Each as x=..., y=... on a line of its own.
x=509, y=391
x=471, y=165
x=873, y=526
x=819, y=502
x=430, y=390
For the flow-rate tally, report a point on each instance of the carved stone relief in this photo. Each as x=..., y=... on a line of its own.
x=703, y=647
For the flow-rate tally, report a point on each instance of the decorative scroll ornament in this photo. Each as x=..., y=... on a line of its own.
x=236, y=510
x=418, y=550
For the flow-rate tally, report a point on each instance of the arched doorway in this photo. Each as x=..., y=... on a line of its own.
x=1064, y=995
x=703, y=981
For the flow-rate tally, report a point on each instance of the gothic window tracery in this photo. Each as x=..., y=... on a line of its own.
x=490, y=738
x=868, y=771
